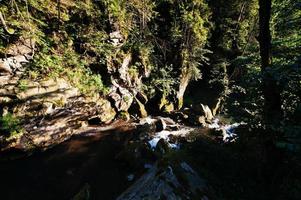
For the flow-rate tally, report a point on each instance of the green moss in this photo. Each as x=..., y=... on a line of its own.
x=10, y=125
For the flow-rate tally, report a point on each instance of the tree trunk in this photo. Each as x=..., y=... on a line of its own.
x=58, y=13
x=272, y=107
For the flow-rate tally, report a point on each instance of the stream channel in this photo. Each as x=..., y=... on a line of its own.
x=98, y=159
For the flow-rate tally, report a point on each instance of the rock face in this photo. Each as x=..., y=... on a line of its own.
x=121, y=97
x=171, y=183
x=24, y=46
x=62, y=123
x=19, y=53
x=125, y=89
x=197, y=115
x=51, y=111
x=12, y=64
x=138, y=108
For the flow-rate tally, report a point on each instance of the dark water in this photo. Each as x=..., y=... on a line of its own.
x=61, y=172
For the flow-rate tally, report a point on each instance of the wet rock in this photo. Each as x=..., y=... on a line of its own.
x=192, y=179
x=180, y=116
x=160, y=125
x=152, y=187
x=225, y=132
x=197, y=115
x=173, y=139
x=217, y=132
x=145, y=131
x=170, y=135
x=169, y=121
x=193, y=119
x=202, y=121
x=136, y=154
x=163, y=123
x=122, y=98
x=138, y=109
x=162, y=147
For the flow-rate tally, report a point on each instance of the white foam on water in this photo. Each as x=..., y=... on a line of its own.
x=165, y=135
x=153, y=142
x=147, y=120
x=215, y=124
x=228, y=130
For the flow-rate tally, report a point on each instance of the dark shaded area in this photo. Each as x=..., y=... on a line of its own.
x=61, y=172
x=250, y=169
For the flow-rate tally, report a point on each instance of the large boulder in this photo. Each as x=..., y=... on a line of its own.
x=12, y=64
x=138, y=108
x=122, y=98
x=18, y=54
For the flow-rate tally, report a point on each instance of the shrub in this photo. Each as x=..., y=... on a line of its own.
x=10, y=125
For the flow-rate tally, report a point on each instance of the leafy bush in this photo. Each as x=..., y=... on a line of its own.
x=69, y=65
x=10, y=125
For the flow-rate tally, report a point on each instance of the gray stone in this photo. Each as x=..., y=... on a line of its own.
x=163, y=183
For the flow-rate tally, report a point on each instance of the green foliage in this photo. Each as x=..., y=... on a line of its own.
x=71, y=66
x=10, y=125
x=57, y=57
x=163, y=81
x=23, y=84
x=168, y=40
x=245, y=100
x=286, y=29
x=190, y=28
x=87, y=82
x=178, y=44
